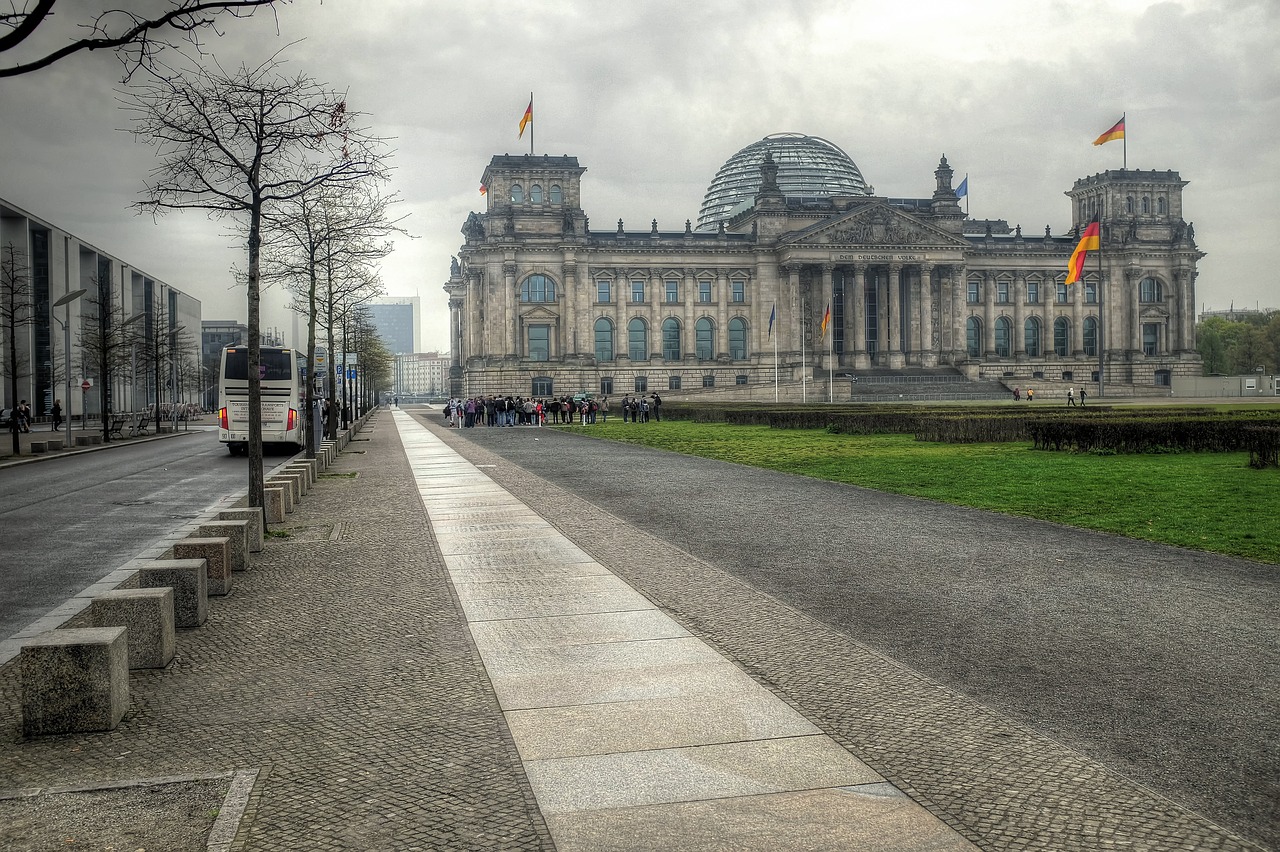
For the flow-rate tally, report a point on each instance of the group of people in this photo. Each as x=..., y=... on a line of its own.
x=21, y=418
x=1071, y=395
x=497, y=411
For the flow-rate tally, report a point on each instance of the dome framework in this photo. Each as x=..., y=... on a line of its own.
x=808, y=167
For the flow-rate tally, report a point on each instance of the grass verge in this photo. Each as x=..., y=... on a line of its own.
x=1204, y=501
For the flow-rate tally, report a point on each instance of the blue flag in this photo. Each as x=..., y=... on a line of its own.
x=963, y=189
x=773, y=313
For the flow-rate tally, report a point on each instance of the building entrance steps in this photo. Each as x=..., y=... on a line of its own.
x=635, y=734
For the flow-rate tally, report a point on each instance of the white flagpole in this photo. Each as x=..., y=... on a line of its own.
x=773, y=319
x=804, y=368
x=831, y=371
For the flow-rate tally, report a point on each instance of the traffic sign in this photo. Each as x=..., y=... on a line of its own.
x=85, y=385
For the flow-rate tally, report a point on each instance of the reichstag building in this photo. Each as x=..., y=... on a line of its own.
x=797, y=271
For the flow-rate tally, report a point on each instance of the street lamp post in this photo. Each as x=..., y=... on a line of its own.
x=66, y=349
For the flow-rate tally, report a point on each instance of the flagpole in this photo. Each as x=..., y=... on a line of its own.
x=1102, y=348
x=531, y=123
x=831, y=371
x=804, y=368
x=1124, y=146
x=772, y=318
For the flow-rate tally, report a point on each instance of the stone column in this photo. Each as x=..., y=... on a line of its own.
x=1076, y=292
x=926, y=346
x=689, y=298
x=1019, y=314
x=958, y=291
x=893, y=318
x=510, y=301
x=571, y=345
x=988, y=316
x=720, y=340
x=828, y=302
x=858, y=317
x=792, y=333
x=1131, y=279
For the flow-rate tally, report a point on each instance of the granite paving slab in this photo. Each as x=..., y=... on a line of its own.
x=575, y=630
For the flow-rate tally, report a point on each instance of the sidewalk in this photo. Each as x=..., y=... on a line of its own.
x=466, y=677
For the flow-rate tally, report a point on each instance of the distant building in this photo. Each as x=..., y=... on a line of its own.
x=421, y=376
x=397, y=321
x=796, y=268
x=1235, y=314
x=150, y=326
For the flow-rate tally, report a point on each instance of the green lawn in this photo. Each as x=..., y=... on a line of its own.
x=1205, y=501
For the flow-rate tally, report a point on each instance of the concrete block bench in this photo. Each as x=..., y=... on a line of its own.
x=216, y=553
x=148, y=616
x=292, y=483
x=254, y=516
x=308, y=466
x=74, y=680
x=274, y=497
x=237, y=534
x=190, y=583
x=54, y=444
x=39, y=447
x=302, y=474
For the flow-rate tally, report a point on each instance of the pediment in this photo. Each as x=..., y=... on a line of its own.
x=1155, y=312
x=877, y=225
x=540, y=312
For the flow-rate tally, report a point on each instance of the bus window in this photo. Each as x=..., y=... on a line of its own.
x=278, y=364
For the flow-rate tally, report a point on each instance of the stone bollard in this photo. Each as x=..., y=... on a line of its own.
x=216, y=554
x=39, y=447
x=237, y=533
x=304, y=473
x=254, y=516
x=148, y=615
x=55, y=444
x=274, y=510
x=190, y=583
x=290, y=492
x=297, y=479
x=311, y=468
x=74, y=680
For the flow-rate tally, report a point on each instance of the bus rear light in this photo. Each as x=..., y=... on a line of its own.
x=222, y=418
x=293, y=419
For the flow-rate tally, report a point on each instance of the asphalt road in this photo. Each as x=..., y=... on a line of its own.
x=1162, y=663
x=65, y=522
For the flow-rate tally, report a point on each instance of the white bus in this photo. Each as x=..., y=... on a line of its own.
x=282, y=385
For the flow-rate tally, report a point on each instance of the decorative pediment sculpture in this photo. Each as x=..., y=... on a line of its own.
x=875, y=225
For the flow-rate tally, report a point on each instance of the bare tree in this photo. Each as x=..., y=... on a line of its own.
x=239, y=145
x=107, y=344
x=17, y=312
x=30, y=31
x=316, y=233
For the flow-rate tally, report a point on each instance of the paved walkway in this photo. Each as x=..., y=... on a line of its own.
x=427, y=663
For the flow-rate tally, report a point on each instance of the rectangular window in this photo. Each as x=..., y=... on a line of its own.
x=673, y=292
x=641, y=384
x=1033, y=292
x=539, y=342
x=1091, y=294
x=708, y=381
x=673, y=383
x=975, y=292
x=704, y=292
x=740, y=379
x=739, y=292
x=606, y=386
x=1002, y=292
x=637, y=291
x=1061, y=295
x=602, y=291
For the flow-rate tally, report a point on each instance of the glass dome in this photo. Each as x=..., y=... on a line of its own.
x=808, y=167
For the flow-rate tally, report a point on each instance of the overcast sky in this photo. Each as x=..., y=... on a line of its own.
x=652, y=97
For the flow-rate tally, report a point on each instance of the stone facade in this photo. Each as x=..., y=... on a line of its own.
x=542, y=304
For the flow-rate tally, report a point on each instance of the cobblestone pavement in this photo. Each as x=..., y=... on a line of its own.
x=340, y=668
x=1000, y=783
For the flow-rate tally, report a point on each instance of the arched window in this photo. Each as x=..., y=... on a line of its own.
x=1004, y=331
x=1031, y=336
x=671, y=339
x=1091, y=336
x=704, y=339
x=1146, y=204
x=973, y=336
x=638, y=340
x=1162, y=205
x=1149, y=290
x=535, y=194
x=1061, y=337
x=538, y=288
x=517, y=194
x=556, y=195
x=1128, y=204
x=604, y=339
x=738, y=339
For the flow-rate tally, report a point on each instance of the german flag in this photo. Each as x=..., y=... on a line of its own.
x=484, y=190
x=826, y=320
x=1116, y=132
x=1091, y=240
x=528, y=117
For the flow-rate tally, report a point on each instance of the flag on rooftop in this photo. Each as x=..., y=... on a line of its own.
x=526, y=118
x=484, y=190
x=963, y=189
x=1116, y=132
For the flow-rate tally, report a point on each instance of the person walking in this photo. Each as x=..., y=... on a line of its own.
x=1082, y=396
x=604, y=410
x=1031, y=395
x=23, y=413
x=56, y=413
x=657, y=408
x=1071, y=398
